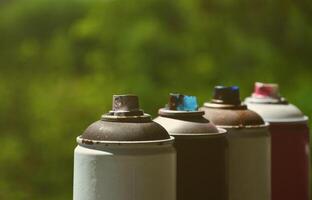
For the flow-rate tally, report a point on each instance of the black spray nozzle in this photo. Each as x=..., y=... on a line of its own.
x=127, y=105
x=226, y=95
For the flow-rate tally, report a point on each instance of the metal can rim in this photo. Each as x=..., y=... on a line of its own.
x=265, y=125
x=304, y=119
x=221, y=131
x=82, y=141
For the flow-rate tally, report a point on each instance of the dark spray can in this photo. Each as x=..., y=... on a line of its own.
x=201, y=150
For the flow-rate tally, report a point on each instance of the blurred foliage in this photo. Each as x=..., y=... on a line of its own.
x=61, y=61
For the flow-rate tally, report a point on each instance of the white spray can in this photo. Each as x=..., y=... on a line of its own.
x=125, y=156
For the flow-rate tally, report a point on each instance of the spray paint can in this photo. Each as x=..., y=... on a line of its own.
x=125, y=156
x=201, y=150
x=249, y=144
x=290, y=142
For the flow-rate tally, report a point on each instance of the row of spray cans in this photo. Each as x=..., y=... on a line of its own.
x=225, y=150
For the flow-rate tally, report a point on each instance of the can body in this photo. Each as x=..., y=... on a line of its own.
x=249, y=144
x=201, y=170
x=125, y=171
x=290, y=161
x=290, y=148
x=201, y=150
x=249, y=163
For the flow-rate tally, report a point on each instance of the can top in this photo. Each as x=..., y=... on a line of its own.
x=225, y=109
x=126, y=105
x=267, y=93
x=181, y=105
x=264, y=90
x=267, y=101
x=226, y=95
x=125, y=122
x=181, y=116
x=182, y=102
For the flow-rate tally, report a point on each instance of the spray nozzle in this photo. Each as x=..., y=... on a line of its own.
x=126, y=105
x=182, y=102
x=264, y=90
x=226, y=95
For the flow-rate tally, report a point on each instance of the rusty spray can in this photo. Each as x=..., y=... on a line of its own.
x=125, y=156
x=249, y=144
x=201, y=150
x=290, y=142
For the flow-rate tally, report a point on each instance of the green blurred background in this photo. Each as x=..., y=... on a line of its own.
x=61, y=62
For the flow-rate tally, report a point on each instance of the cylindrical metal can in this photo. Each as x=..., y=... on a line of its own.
x=290, y=142
x=201, y=150
x=125, y=156
x=249, y=144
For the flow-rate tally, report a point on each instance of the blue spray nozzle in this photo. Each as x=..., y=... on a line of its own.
x=235, y=88
x=182, y=102
x=226, y=88
x=189, y=104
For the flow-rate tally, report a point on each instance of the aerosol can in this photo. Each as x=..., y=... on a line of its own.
x=125, y=156
x=290, y=142
x=249, y=144
x=201, y=150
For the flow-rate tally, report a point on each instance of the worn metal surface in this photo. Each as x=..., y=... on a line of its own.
x=290, y=142
x=225, y=109
x=126, y=105
x=126, y=122
x=249, y=146
x=201, y=155
x=231, y=117
x=125, y=131
x=125, y=156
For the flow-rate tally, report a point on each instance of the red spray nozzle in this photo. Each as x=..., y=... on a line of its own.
x=265, y=90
